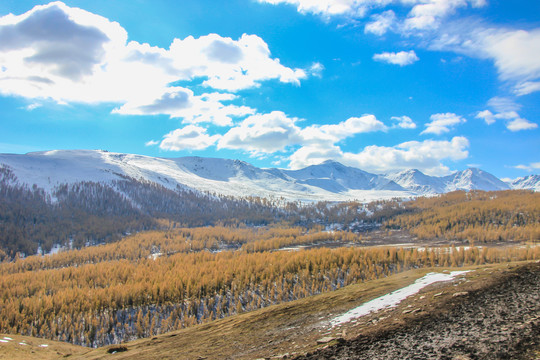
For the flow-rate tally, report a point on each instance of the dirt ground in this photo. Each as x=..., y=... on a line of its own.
x=498, y=320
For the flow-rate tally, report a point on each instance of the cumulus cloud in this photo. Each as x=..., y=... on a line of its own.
x=487, y=115
x=337, y=132
x=505, y=109
x=518, y=124
x=71, y=55
x=262, y=133
x=442, y=123
x=191, y=137
x=428, y=14
x=275, y=131
x=230, y=64
x=381, y=23
x=401, y=58
x=179, y=102
x=426, y=156
x=403, y=122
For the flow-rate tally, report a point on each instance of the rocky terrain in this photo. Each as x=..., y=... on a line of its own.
x=499, y=320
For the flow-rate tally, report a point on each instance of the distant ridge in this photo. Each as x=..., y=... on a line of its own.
x=531, y=182
x=330, y=180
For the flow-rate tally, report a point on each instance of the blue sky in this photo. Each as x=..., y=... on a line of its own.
x=383, y=85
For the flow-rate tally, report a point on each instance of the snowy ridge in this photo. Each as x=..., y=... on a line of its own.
x=415, y=180
x=474, y=179
x=329, y=181
x=469, y=179
x=531, y=182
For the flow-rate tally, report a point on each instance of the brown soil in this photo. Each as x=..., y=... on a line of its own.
x=498, y=318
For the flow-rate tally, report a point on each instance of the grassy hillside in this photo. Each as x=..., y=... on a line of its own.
x=296, y=327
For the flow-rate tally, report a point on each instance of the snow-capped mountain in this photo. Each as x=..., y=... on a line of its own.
x=330, y=180
x=531, y=182
x=473, y=179
x=418, y=182
x=336, y=177
x=469, y=179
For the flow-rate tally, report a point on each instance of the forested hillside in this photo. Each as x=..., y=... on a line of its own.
x=90, y=213
x=155, y=282
x=475, y=216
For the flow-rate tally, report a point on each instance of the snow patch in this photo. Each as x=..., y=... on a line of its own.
x=394, y=298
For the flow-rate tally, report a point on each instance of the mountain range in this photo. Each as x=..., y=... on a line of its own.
x=330, y=180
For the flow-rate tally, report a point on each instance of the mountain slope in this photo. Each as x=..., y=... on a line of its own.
x=329, y=181
x=473, y=179
x=418, y=182
x=336, y=177
x=531, y=182
x=222, y=176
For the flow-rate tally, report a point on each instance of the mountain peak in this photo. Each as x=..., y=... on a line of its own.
x=330, y=180
x=331, y=162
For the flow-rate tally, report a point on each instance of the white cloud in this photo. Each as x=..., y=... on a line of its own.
x=178, y=102
x=428, y=14
x=229, y=64
x=519, y=124
x=487, y=115
x=401, y=58
x=426, y=156
x=337, y=132
x=404, y=122
x=423, y=14
x=503, y=104
x=316, y=69
x=262, y=133
x=531, y=167
x=269, y=133
x=33, y=106
x=381, y=23
x=526, y=88
x=191, y=137
x=151, y=143
x=514, y=52
x=71, y=55
x=328, y=8
x=442, y=123
x=506, y=109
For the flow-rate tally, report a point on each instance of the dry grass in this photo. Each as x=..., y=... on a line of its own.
x=34, y=348
x=290, y=328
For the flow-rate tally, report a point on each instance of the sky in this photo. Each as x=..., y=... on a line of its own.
x=381, y=85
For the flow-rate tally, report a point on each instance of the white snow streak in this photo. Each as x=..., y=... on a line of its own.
x=394, y=298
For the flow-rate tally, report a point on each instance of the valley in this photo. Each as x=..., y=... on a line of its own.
x=123, y=258
x=269, y=179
